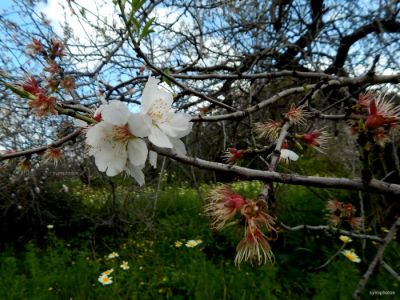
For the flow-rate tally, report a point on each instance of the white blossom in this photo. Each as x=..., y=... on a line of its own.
x=288, y=155
x=167, y=126
x=115, y=142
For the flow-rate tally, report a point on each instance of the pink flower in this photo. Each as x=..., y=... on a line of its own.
x=269, y=130
x=333, y=205
x=316, y=139
x=381, y=112
x=254, y=247
x=348, y=209
x=232, y=155
x=43, y=105
x=355, y=222
x=35, y=47
x=223, y=205
x=53, y=155
x=297, y=115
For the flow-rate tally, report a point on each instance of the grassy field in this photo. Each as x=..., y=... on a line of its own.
x=161, y=268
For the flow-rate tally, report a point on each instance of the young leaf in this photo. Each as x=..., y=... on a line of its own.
x=146, y=28
x=136, y=5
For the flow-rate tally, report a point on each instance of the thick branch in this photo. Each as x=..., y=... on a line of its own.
x=347, y=41
x=322, y=182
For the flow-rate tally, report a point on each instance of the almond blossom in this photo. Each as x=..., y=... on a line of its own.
x=116, y=142
x=167, y=127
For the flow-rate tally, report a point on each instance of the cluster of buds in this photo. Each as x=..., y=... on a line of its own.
x=39, y=102
x=376, y=115
x=224, y=205
x=51, y=54
x=343, y=212
x=295, y=116
x=55, y=50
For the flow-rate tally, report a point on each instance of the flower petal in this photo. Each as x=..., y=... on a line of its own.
x=177, y=126
x=153, y=159
x=149, y=94
x=137, y=152
x=110, y=157
x=96, y=134
x=179, y=146
x=136, y=172
x=116, y=113
x=159, y=138
x=139, y=125
x=152, y=95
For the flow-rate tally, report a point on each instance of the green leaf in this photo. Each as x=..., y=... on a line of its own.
x=146, y=28
x=136, y=25
x=83, y=12
x=136, y=5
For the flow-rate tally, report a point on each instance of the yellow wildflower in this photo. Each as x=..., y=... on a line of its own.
x=191, y=244
x=113, y=255
x=351, y=255
x=108, y=272
x=105, y=280
x=345, y=239
x=178, y=244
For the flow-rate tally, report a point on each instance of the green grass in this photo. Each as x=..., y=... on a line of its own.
x=65, y=269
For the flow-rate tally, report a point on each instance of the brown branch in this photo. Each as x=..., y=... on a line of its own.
x=347, y=41
x=322, y=182
x=57, y=143
x=390, y=270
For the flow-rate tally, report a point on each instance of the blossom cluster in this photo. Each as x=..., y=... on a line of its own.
x=375, y=116
x=339, y=212
x=116, y=141
x=224, y=204
x=296, y=117
x=39, y=93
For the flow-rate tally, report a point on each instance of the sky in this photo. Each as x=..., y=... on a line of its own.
x=5, y=4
